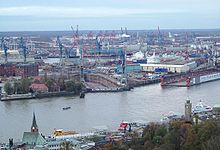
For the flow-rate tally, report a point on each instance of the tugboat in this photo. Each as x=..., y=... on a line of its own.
x=82, y=94
x=131, y=88
x=65, y=108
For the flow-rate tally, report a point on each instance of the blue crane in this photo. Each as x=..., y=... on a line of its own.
x=123, y=61
x=5, y=48
x=61, y=47
x=24, y=48
x=59, y=43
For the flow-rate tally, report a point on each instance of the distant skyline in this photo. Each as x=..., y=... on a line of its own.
x=50, y=15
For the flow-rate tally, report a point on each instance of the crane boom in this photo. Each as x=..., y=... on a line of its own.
x=24, y=48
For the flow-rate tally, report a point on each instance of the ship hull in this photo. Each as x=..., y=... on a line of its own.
x=205, y=78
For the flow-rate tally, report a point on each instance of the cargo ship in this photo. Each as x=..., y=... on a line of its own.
x=204, y=78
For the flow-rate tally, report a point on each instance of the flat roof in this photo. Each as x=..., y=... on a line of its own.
x=160, y=65
x=216, y=106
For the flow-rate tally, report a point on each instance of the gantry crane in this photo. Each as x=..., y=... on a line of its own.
x=61, y=47
x=78, y=44
x=24, y=48
x=5, y=48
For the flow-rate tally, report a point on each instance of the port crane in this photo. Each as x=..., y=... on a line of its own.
x=5, y=48
x=78, y=44
x=61, y=47
x=75, y=36
x=24, y=48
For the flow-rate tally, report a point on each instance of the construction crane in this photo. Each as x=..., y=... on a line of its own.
x=75, y=36
x=123, y=60
x=61, y=47
x=124, y=79
x=5, y=48
x=24, y=48
x=78, y=44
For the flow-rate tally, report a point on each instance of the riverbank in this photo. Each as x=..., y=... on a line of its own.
x=65, y=93
x=57, y=94
x=37, y=95
x=17, y=97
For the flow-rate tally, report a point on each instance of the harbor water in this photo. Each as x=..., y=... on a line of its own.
x=143, y=104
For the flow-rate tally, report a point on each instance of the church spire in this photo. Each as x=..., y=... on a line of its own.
x=34, y=127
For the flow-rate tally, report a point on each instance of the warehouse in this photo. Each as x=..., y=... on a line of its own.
x=170, y=68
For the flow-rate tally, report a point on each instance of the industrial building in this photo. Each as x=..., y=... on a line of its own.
x=180, y=68
x=23, y=70
x=7, y=69
x=170, y=68
x=26, y=70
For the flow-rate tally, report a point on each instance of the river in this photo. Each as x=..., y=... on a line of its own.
x=144, y=104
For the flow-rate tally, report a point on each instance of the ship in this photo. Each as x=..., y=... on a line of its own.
x=139, y=58
x=201, y=108
x=212, y=76
x=60, y=132
x=66, y=108
x=170, y=116
x=154, y=59
x=82, y=94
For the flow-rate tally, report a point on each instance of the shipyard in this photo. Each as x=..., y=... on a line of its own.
x=109, y=75
x=107, y=61
x=67, y=71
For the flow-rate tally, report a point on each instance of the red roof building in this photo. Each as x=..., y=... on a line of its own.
x=39, y=87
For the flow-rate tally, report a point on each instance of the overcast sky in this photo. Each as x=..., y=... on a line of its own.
x=31, y=15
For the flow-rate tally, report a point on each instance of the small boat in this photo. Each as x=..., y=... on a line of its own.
x=65, y=108
x=201, y=108
x=82, y=94
x=123, y=125
x=131, y=87
x=60, y=132
x=170, y=116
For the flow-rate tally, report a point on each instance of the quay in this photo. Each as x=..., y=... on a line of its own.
x=131, y=85
x=36, y=95
x=17, y=97
x=190, y=78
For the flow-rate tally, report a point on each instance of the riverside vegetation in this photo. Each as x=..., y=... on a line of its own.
x=178, y=135
x=22, y=86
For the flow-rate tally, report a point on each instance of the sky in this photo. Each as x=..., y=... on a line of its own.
x=50, y=15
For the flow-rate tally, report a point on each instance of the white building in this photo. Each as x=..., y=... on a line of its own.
x=170, y=68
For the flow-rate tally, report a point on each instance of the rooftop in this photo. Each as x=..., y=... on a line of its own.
x=216, y=106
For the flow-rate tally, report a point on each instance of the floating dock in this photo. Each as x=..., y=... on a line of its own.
x=190, y=79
